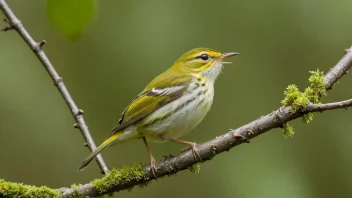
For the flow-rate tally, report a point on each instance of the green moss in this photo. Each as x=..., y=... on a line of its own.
x=287, y=130
x=126, y=174
x=309, y=92
x=299, y=100
x=295, y=98
x=308, y=117
x=291, y=95
x=312, y=94
x=317, y=87
x=10, y=189
x=75, y=190
x=195, y=168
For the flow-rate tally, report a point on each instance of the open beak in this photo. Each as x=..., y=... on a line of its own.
x=227, y=55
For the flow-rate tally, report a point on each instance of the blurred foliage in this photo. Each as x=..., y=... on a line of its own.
x=129, y=43
x=71, y=17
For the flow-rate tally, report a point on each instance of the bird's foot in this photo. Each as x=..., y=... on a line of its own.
x=195, y=151
x=153, y=166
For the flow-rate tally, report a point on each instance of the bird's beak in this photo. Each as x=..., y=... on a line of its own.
x=227, y=55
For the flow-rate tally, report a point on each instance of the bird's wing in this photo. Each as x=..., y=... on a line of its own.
x=162, y=90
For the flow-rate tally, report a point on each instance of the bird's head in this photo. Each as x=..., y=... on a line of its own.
x=202, y=61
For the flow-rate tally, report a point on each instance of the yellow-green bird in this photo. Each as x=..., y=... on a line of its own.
x=172, y=104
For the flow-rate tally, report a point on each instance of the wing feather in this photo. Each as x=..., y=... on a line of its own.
x=162, y=90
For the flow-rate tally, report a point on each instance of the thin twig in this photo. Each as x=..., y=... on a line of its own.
x=329, y=106
x=340, y=69
x=15, y=24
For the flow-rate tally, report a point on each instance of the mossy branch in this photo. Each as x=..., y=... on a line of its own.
x=297, y=104
x=141, y=175
x=299, y=100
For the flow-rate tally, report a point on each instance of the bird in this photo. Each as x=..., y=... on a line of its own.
x=171, y=105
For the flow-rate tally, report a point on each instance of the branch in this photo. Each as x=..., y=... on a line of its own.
x=15, y=24
x=340, y=69
x=208, y=150
x=139, y=175
x=329, y=106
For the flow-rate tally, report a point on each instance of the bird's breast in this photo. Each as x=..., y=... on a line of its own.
x=182, y=115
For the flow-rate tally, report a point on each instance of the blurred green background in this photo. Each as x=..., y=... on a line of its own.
x=129, y=43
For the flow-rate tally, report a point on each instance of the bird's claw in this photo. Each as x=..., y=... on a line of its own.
x=195, y=151
x=153, y=166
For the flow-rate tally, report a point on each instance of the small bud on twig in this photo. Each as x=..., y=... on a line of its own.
x=80, y=112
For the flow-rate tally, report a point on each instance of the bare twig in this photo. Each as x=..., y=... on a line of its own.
x=329, y=106
x=15, y=24
x=340, y=69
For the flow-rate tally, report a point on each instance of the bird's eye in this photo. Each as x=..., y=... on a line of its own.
x=204, y=57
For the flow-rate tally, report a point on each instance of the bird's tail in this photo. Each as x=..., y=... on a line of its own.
x=102, y=146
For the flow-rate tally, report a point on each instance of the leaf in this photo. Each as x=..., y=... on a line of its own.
x=71, y=17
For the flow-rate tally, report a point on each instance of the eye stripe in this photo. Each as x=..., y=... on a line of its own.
x=212, y=55
x=198, y=57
